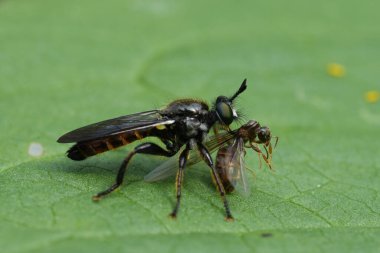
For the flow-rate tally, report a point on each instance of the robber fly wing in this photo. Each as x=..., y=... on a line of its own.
x=169, y=167
x=236, y=174
x=166, y=169
x=133, y=122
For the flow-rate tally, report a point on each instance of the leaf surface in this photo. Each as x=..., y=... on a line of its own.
x=65, y=64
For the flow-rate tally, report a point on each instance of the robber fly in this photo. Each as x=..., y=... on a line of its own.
x=229, y=166
x=182, y=123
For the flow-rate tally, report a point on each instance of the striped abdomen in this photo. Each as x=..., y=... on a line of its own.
x=225, y=169
x=82, y=150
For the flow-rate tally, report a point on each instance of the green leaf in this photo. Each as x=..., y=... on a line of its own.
x=65, y=64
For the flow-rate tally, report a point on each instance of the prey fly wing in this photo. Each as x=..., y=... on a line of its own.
x=232, y=166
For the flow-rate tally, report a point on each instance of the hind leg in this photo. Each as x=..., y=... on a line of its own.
x=145, y=148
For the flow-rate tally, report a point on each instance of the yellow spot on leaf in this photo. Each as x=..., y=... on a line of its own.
x=336, y=70
x=372, y=96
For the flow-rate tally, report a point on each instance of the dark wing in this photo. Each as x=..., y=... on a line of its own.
x=170, y=166
x=133, y=122
x=235, y=171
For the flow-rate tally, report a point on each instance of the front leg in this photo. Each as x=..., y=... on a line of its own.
x=144, y=148
x=207, y=158
x=182, y=163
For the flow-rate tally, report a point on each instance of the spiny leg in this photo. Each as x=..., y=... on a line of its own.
x=207, y=158
x=144, y=148
x=182, y=163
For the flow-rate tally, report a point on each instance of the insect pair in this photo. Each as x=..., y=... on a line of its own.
x=181, y=126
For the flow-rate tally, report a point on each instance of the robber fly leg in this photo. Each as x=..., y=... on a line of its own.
x=145, y=148
x=169, y=145
x=207, y=158
x=182, y=163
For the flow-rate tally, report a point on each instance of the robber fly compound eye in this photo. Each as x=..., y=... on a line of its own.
x=224, y=106
x=224, y=110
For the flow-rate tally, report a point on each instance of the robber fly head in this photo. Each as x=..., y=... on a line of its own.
x=224, y=106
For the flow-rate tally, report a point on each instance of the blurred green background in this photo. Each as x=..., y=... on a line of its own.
x=65, y=64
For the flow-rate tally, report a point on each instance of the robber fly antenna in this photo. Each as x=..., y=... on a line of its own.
x=242, y=88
